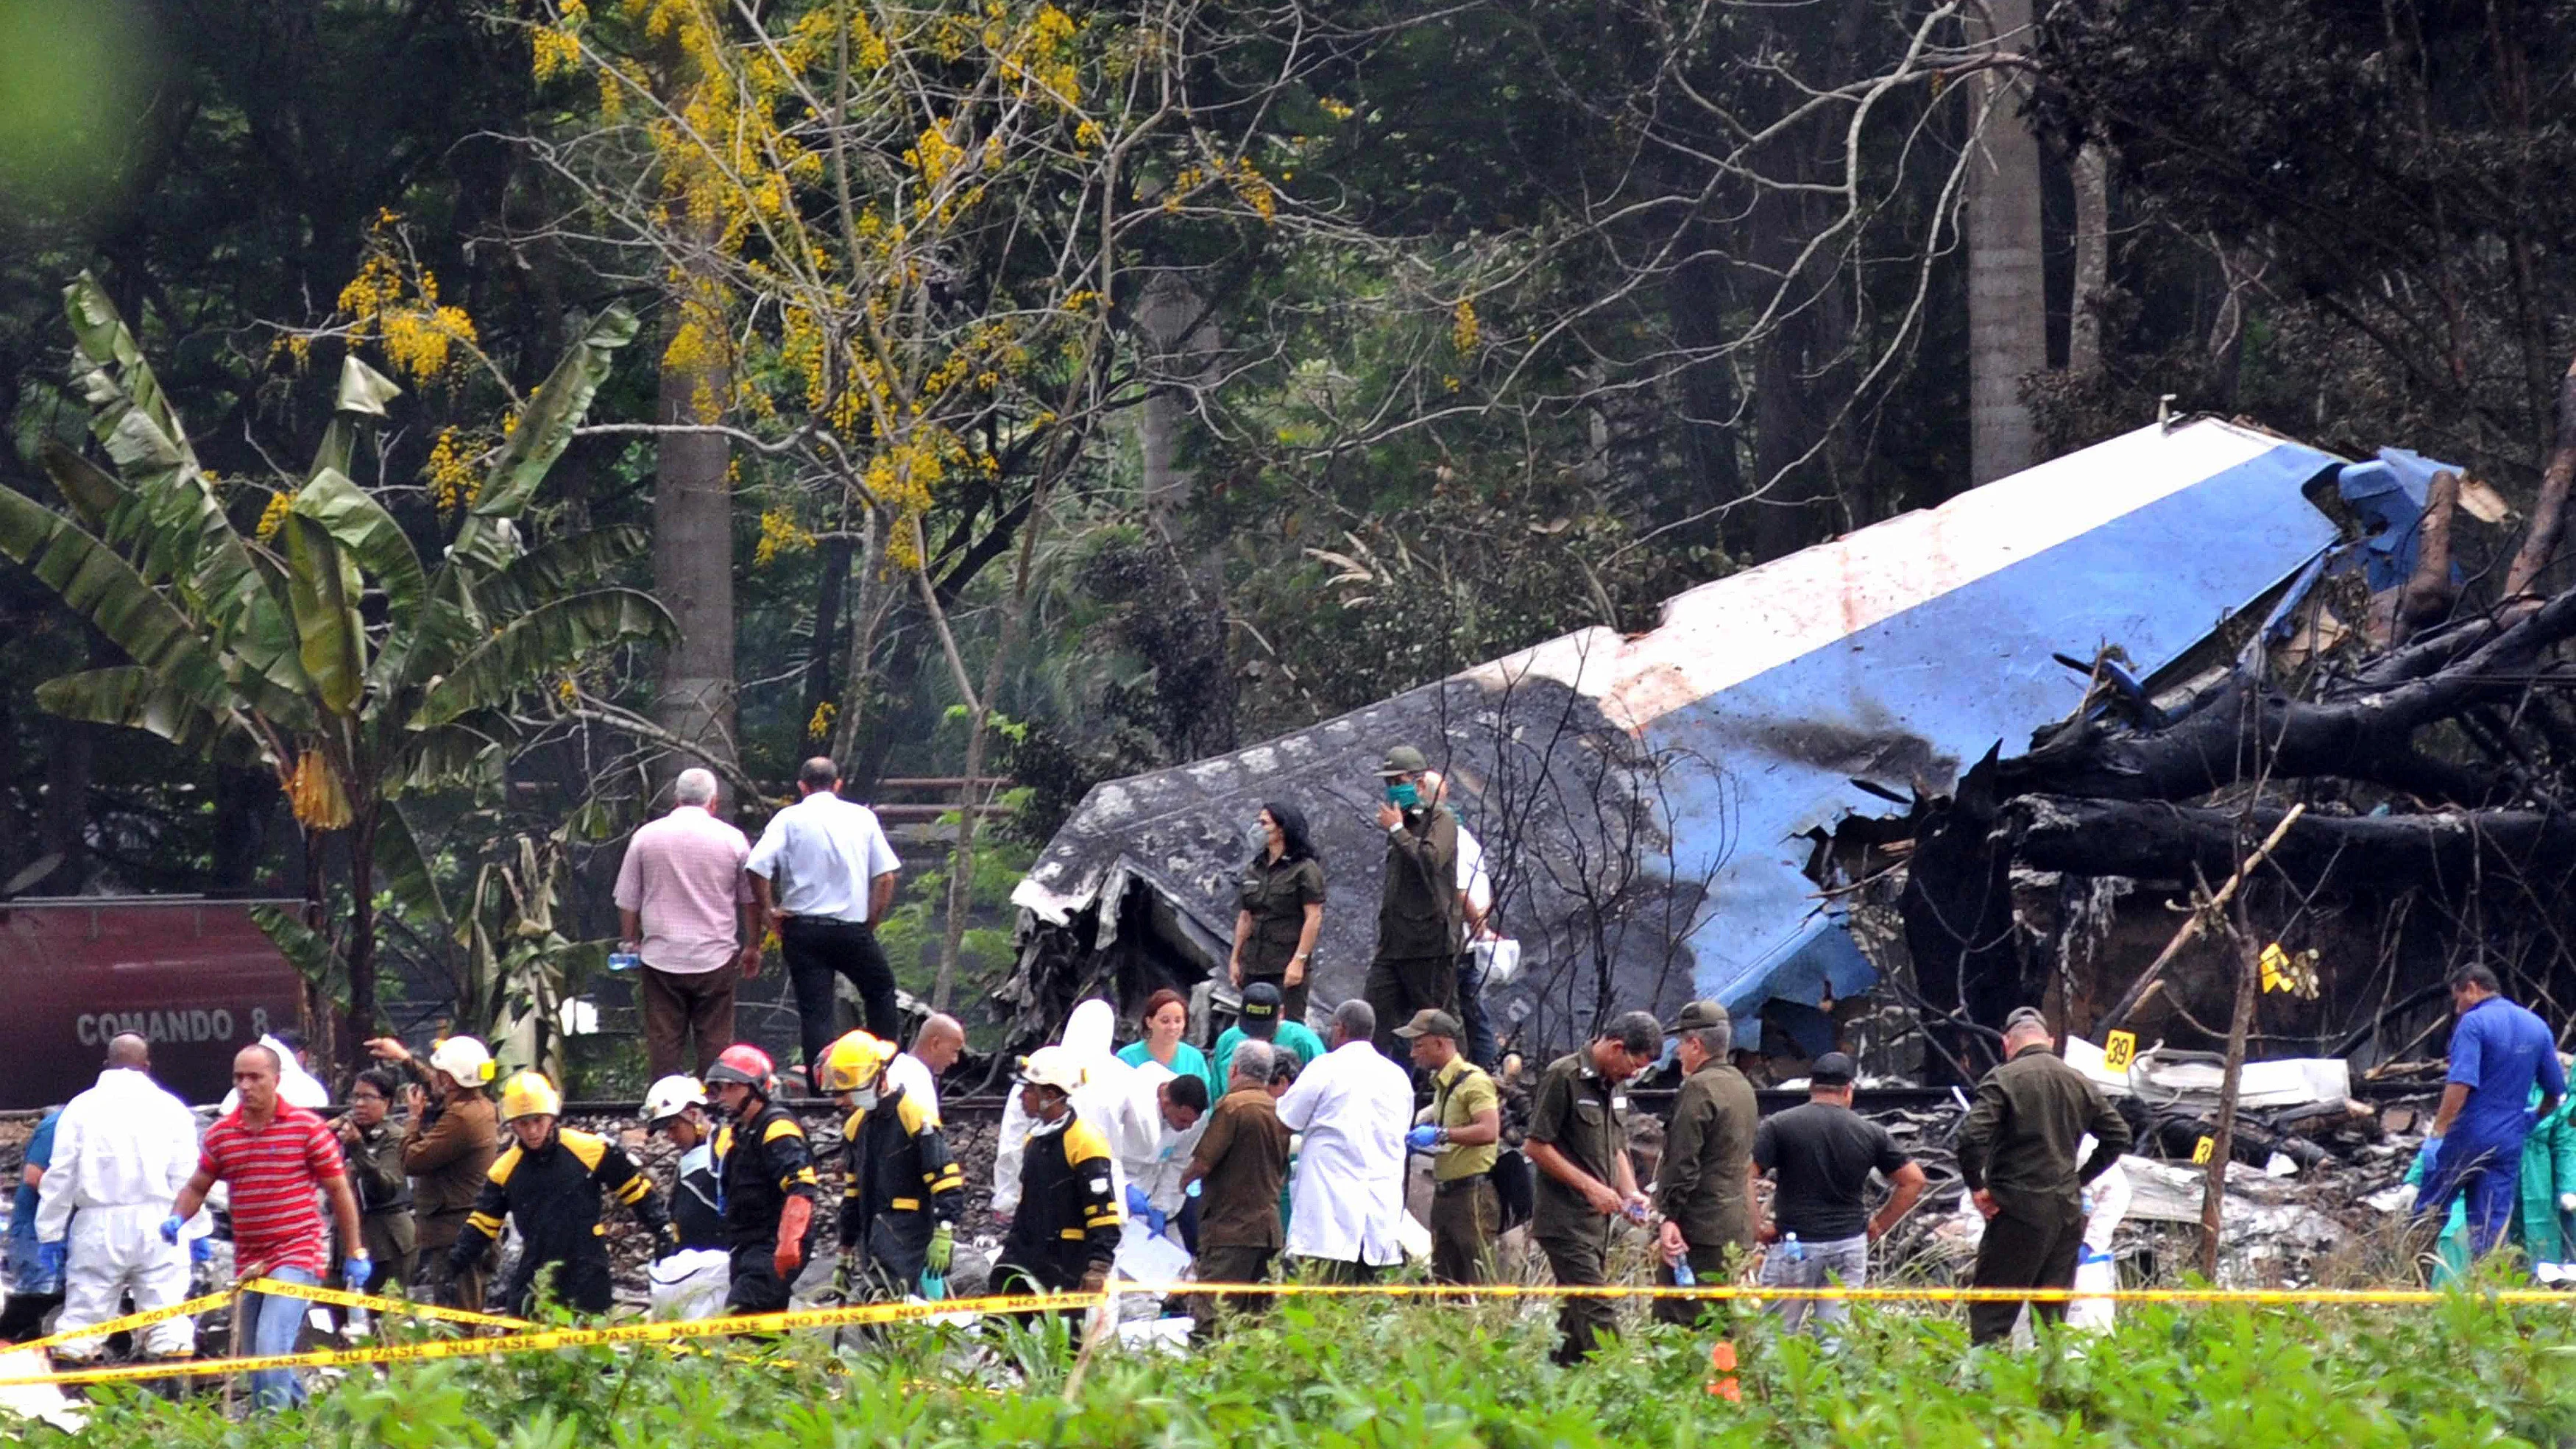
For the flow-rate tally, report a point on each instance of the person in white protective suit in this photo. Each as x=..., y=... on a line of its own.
x=122, y=1151
x=1088, y=1033
x=2107, y=1201
x=296, y=1087
x=1152, y=1132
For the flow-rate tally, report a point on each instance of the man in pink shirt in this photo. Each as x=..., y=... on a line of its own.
x=276, y=1156
x=680, y=891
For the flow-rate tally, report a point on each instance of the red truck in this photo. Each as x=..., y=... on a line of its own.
x=196, y=977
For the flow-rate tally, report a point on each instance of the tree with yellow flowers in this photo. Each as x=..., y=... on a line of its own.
x=896, y=239
x=320, y=645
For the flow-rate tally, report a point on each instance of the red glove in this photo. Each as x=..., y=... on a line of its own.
x=792, y=1223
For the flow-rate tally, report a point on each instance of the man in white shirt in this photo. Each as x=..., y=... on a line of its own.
x=1475, y=909
x=679, y=892
x=823, y=874
x=1346, y=1201
x=935, y=1048
x=122, y=1151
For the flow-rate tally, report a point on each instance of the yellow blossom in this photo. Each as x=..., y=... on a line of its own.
x=273, y=517
x=1462, y=330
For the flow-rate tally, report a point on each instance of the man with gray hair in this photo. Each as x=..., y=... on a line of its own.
x=1706, y=1178
x=1346, y=1204
x=680, y=891
x=1240, y=1161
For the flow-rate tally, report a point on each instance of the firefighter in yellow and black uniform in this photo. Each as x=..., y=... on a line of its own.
x=552, y=1182
x=1066, y=1230
x=901, y=1191
x=765, y=1178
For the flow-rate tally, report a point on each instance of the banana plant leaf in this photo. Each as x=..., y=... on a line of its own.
x=93, y=492
x=404, y=870
x=363, y=395
x=553, y=570
x=323, y=584
x=368, y=535
x=132, y=697
x=464, y=751
x=105, y=590
x=549, y=638
x=544, y=430
x=297, y=942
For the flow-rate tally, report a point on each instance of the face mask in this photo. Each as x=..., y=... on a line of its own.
x=1403, y=795
x=864, y=1099
x=1257, y=837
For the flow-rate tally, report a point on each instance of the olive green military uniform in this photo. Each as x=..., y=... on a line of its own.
x=1416, y=965
x=1585, y=1116
x=2019, y=1143
x=1466, y=1213
x=1275, y=894
x=1706, y=1171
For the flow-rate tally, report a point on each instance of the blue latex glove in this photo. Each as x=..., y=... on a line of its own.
x=201, y=1250
x=1155, y=1218
x=49, y=1259
x=2424, y=1156
x=1423, y=1138
x=170, y=1227
x=1137, y=1203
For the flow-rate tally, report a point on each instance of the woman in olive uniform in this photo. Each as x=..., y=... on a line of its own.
x=1282, y=898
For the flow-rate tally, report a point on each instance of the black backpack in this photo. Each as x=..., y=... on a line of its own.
x=1514, y=1187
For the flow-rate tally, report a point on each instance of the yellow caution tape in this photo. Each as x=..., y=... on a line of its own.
x=2262, y=1297
x=339, y=1298
x=550, y=1339
x=130, y=1321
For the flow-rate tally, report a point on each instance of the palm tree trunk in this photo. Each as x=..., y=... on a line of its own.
x=2007, y=296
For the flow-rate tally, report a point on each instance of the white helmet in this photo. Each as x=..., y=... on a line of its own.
x=1052, y=1066
x=463, y=1058
x=671, y=1096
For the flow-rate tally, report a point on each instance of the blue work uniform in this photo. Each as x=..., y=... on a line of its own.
x=2499, y=1051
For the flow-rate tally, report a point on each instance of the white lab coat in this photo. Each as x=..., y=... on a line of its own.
x=1088, y=1033
x=122, y=1151
x=2095, y=1271
x=295, y=1086
x=1346, y=1201
x=1150, y=1154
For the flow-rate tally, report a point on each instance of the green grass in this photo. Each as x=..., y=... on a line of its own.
x=1338, y=1373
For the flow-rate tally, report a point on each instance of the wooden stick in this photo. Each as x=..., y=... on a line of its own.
x=2199, y=920
x=2222, y=1143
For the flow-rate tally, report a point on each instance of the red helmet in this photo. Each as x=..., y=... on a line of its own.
x=742, y=1062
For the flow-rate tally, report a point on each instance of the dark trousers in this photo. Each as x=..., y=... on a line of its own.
x=1228, y=1265
x=1580, y=1258
x=1466, y=1217
x=1399, y=986
x=2487, y=1176
x=677, y=1006
x=1712, y=1266
x=897, y=1250
x=582, y=1285
x=818, y=951
x=756, y=1286
x=2030, y=1244
x=1483, y=1048
x=435, y=1235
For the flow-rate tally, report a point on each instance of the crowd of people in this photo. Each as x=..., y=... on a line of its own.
x=1273, y=1152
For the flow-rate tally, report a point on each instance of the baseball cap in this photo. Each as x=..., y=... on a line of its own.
x=2026, y=1016
x=1260, y=1015
x=1833, y=1069
x=1700, y=1015
x=1403, y=760
x=1431, y=1021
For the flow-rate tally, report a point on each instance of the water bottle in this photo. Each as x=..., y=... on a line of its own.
x=623, y=959
x=1791, y=1250
x=1683, y=1277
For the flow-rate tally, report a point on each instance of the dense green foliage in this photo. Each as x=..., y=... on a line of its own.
x=1346, y=1373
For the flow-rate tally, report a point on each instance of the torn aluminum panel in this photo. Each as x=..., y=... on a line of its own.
x=1645, y=803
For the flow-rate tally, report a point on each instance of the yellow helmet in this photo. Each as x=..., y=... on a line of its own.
x=854, y=1061
x=529, y=1094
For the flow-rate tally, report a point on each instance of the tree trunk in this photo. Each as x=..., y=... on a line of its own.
x=2223, y=1138
x=2007, y=293
x=693, y=571
x=64, y=828
x=2092, y=259
x=244, y=801
x=361, y=950
x=824, y=652
x=2549, y=513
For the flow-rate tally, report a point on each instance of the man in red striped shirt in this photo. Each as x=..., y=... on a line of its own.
x=275, y=1156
